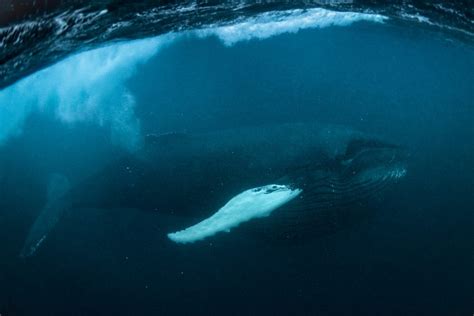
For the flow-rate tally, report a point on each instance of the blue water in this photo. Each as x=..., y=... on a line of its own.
x=413, y=257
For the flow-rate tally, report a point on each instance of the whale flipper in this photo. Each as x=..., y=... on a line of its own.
x=253, y=203
x=58, y=186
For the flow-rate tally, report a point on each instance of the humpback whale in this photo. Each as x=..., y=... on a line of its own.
x=285, y=175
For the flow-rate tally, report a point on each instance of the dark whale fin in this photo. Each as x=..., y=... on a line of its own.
x=56, y=205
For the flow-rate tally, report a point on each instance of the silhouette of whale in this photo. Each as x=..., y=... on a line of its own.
x=289, y=173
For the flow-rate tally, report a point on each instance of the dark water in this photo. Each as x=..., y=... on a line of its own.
x=413, y=257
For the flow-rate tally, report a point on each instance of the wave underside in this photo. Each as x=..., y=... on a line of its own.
x=91, y=86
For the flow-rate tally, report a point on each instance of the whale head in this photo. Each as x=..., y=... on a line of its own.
x=373, y=161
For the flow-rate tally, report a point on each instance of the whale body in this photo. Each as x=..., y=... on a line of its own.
x=196, y=177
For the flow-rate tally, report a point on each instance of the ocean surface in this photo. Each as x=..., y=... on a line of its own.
x=84, y=86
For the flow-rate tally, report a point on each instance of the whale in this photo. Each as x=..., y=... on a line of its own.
x=282, y=178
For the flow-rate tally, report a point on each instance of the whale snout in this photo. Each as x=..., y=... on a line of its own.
x=376, y=161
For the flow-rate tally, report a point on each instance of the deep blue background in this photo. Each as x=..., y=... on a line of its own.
x=415, y=257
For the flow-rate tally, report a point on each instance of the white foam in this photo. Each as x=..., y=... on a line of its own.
x=291, y=21
x=417, y=17
x=253, y=203
x=87, y=87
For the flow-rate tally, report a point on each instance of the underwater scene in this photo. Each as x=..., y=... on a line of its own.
x=236, y=157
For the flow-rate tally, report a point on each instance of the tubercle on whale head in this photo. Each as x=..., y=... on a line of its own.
x=267, y=189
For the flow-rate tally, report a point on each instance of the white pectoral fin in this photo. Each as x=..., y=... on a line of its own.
x=253, y=203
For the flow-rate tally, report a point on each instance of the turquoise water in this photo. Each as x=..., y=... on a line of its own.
x=412, y=256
